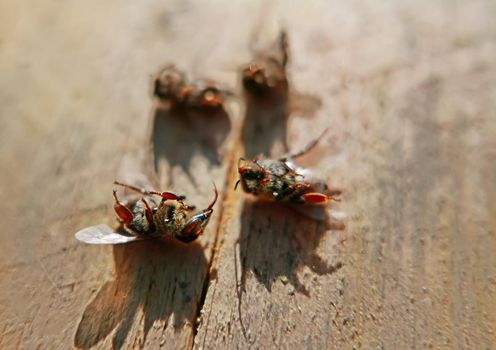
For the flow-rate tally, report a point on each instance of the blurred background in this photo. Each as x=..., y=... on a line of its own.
x=408, y=91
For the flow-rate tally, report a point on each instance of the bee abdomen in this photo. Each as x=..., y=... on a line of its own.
x=164, y=220
x=283, y=192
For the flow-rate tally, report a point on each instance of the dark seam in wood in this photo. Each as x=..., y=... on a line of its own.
x=216, y=247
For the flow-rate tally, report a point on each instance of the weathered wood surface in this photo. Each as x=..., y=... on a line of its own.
x=408, y=91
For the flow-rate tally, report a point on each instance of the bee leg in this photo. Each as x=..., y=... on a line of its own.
x=148, y=211
x=307, y=148
x=293, y=193
x=317, y=198
x=284, y=193
x=195, y=226
x=164, y=195
x=262, y=182
x=334, y=192
x=123, y=212
x=314, y=198
x=184, y=94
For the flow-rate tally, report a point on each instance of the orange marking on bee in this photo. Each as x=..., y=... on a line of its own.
x=315, y=198
x=122, y=211
x=148, y=211
x=167, y=195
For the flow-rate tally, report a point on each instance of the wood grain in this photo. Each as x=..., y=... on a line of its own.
x=407, y=89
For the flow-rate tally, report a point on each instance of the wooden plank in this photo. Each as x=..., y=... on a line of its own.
x=411, y=107
x=89, y=120
x=407, y=89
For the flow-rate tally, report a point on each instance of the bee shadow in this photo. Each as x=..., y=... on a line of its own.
x=265, y=124
x=156, y=278
x=179, y=134
x=276, y=242
x=266, y=120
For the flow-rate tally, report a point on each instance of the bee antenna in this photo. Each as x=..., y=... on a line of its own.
x=215, y=198
x=308, y=147
x=237, y=183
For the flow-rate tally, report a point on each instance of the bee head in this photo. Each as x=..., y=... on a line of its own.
x=168, y=83
x=254, y=79
x=250, y=174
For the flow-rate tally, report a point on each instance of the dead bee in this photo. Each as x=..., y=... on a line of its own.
x=267, y=73
x=171, y=87
x=169, y=84
x=156, y=215
x=282, y=180
x=205, y=94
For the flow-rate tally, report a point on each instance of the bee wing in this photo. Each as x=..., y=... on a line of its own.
x=102, y=234
x=306, y=172
x=334, y=219
x=314, y=178
x=314, y=212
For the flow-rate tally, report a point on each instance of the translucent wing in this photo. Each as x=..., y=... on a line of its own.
x=102, y=234
x=314, y=178
x=314, y=212
x=334, y=219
